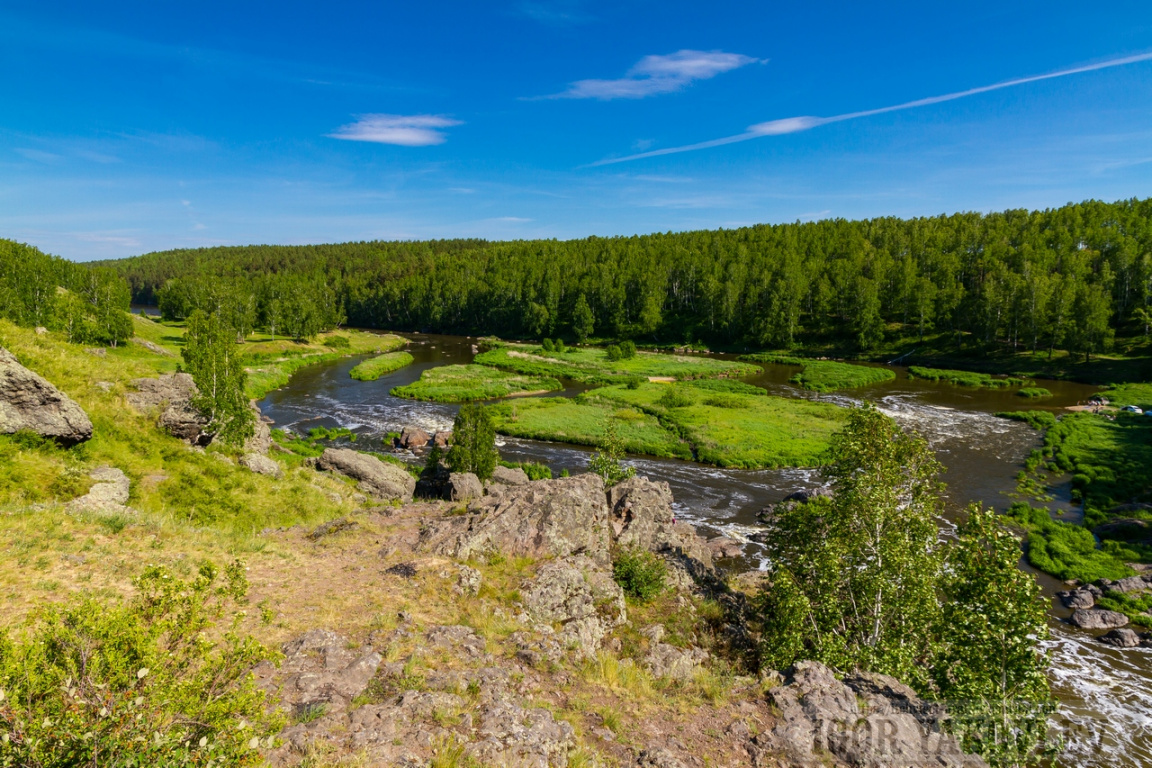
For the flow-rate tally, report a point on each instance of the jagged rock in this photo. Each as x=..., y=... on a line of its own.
x=442, y=439
x=642, y=517
x=659, y=758
x=549, y=517
x=515, y=736
x=320, y=669
x=723, y=547
x=664, y=660
x=1098, y=618
x=108, y=494
x=151, y=347
x=338, y=525
x=469, y=581
x=579, y=594
x=261, y=440
x=172, y=393
x=457, y=637
x=1077, y=598
x=29, y=402
x=1125, y=585
x=464, y=486
x=1121, y=638
x=820, y=717
x=261, y=465
x=654, y=632
x=508, y=476
x=377, y=478
x=413, y=438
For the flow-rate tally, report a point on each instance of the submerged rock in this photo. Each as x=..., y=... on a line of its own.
x=413, y=438
x=30, y=402
x=1121, y=638
x=1098, y=618
x=377, y=478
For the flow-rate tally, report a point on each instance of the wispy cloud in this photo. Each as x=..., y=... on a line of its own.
x=402, y=130
x=807, y=122
x=658, y=74
x=38, y=155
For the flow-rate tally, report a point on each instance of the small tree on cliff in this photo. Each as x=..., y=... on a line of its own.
x=212, y=356
x=473, y=442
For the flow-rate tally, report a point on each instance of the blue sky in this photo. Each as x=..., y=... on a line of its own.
x=128, y=127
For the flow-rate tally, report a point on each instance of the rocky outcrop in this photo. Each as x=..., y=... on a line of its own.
x=580, y=596
x=261, y=465
x=379, y=479
x=509, y=476
x=642, y=517
x=866, y=720
x=108, y=494
x=1098, y=618
x=1125, y=585
x=261, y=440
x=546, y=518
x=172, y=394
x=152, y=347
x=29, y=402
x=463, y=486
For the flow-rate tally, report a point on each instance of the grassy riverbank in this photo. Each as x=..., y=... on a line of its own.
x=590, y=365
x=826, y=375
x=723, y=423
x=468, y=383
x=378, y=366
x=964, y=378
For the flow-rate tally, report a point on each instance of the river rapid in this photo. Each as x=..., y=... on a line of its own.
x=1105, y=694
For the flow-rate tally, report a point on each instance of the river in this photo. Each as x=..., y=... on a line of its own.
x=1105, y=715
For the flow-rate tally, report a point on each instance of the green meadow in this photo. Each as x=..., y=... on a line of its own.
x=590, y=365
x=378, y=366
x=468, y=383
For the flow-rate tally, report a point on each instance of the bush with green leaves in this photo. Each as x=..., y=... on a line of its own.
x=473, y=442
x=640, y=573
x=606, y=461
x=147, y=682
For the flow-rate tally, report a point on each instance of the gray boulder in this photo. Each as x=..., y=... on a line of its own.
x=1098, y=618
x=723, y=547
x=172, y=394
x=377, y=478
x=869, y=720
x=261, y=440
x=550, y=517
x=508, y=476
x=642, y=517
x=1129, y=584
x=1077, y=598
x=261, y=465
x=580, y=595
x=463, y=486
x=29, y=402
x=1121, y=638
x=668, y=661
x=108, y=494
x=152, y=347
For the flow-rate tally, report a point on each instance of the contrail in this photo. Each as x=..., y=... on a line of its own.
x=804, y=123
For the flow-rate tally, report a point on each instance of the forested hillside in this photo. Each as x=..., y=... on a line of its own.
x=1071, y=278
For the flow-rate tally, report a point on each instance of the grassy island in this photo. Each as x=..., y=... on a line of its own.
x=826, y=375
x=591, y=365
x=468, y=383
x=374, y=368
x=965, y=378
x=724, y=423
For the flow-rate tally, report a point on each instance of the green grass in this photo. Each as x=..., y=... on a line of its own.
x=963, y=378
x=374, y=368
x=581, y=421
x=1068, y=551
x=773, y=357
x=1040, y=420
x=1033, y=392
x=731, y=425
x=1131, y=394
x=829, y=376
x=270, y=363
x=468, y=383
x=590, y=365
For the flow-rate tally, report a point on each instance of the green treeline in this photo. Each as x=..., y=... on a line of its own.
x=1069, y=278
x=89, y=304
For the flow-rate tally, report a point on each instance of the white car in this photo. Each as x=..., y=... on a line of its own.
x=1131, y=409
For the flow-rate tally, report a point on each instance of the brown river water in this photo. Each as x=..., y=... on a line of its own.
x=1105, y=694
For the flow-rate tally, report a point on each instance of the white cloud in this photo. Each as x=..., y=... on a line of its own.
x=659, y=74
x=402, y=130
x=38, y=155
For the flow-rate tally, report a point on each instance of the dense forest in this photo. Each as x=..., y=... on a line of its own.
x=88, y=303
x=1074, y=277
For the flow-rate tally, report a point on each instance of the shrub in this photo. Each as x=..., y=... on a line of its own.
x=559, y=346
x=627, y=350
x=337, y=342
x=548, y=345
x=606, y=461
x=613, y=353
x=641, y=574
x=136, y=684
x=534, y=470
x=676, y=398
x=634, y=382
x=1033, y=392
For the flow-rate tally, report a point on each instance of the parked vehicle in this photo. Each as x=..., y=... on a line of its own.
x=1132, y=409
